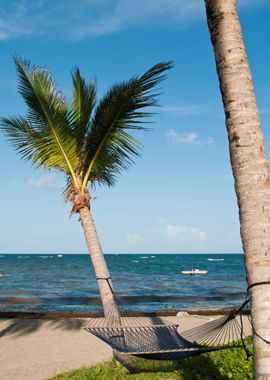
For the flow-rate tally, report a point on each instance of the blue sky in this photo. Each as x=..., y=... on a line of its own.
x=180, y=195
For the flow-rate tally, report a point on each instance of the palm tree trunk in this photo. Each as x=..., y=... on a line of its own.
x=111, y=312
x=100, y=267
x=249, y=164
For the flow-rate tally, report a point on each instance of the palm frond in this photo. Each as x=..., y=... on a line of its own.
x=24, y=137
x=120, y=110
x=47, y=112
x=96, y=148
x=84, y=100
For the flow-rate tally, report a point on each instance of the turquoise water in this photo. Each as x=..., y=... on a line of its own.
x=66, y=283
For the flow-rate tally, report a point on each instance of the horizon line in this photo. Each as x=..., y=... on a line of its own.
x=126, y=253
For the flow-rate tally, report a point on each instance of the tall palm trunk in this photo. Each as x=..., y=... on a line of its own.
x=100, y=267
x=249, y=164
x=102, y=273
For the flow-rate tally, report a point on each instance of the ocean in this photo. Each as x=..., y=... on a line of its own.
x=143, y=282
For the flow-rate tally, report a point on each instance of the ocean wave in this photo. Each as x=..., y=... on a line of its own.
x=59, y=283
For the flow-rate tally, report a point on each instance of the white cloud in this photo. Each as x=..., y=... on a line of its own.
x=129, y=13
x=180, y=238
x=48, y=181
x=189, y=138
x=82, y=18
x=162, y=221
x=133, y=239
x=183, y=233
x=185, y=110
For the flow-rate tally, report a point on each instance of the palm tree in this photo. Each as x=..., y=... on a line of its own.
x=249, y=164
x=90, y=142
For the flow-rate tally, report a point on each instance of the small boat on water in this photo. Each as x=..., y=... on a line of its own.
x=194, y=272
x=215, y=259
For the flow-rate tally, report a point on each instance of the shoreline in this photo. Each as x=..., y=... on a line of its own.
x=162, y=313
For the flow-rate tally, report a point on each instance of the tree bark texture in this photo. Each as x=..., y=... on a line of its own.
x=111, y=312
x=99, y=264
x=249, y=164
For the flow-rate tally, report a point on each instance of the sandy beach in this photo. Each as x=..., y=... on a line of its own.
x=36, y=349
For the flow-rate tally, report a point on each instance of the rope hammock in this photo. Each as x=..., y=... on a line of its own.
x=159, y=339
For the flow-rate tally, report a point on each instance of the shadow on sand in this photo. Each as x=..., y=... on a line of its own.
x=24, y=326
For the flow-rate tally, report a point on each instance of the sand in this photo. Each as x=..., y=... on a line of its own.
x=37, y=349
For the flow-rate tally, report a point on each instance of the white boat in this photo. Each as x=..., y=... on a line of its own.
x=215, y=259
x=194, y=272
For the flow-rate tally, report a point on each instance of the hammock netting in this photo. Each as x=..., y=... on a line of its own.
x=159, y=339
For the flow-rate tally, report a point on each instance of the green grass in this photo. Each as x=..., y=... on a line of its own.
x=221, y=365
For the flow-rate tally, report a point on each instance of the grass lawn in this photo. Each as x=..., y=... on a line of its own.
x=222, y=365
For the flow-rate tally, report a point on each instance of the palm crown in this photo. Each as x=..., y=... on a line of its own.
x=88, y=141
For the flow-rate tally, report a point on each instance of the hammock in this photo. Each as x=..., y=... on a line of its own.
x=159, y=339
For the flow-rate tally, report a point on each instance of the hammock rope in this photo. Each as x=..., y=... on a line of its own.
x=250, y=320
x=160, y=339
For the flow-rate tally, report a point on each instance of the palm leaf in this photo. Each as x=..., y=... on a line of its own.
x=47, y=112
x=122, y=109
x=57, y=135
x=25, y=138
x=84, y=99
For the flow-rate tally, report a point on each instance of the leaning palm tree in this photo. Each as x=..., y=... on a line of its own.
x=250, y=167
x=90, y=142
